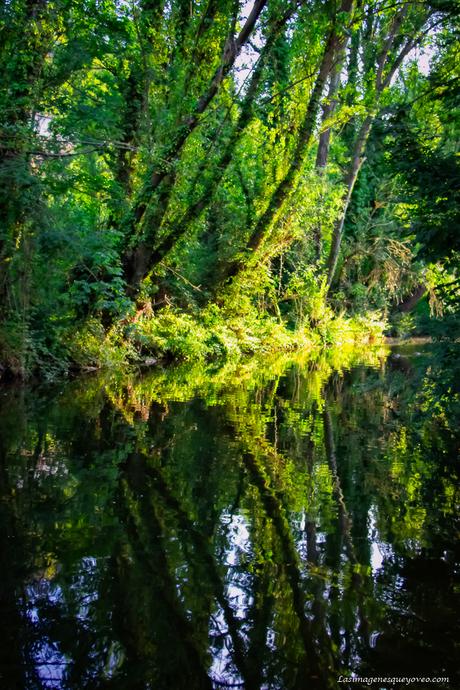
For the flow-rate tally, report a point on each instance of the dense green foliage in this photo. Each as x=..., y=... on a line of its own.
x=208, y=178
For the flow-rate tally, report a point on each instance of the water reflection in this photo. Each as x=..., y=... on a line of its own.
x=271, y=529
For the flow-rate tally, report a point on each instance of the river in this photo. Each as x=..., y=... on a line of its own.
x=283, y=525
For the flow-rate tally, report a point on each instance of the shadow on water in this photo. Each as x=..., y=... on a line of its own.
x=278, y=526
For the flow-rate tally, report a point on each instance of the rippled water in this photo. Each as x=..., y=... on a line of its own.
x=280, y=526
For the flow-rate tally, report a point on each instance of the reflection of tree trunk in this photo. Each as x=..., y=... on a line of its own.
x=160, y=606
x=317, y=584
x=15, y=664
x=344, y=517
x=317, y=587
x=260, y=616
x=345, y=521
x=320, y=667
x=201, y=550
x=315, y=637
x=310, y=523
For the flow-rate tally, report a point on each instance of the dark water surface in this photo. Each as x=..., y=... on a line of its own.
x=275, y=527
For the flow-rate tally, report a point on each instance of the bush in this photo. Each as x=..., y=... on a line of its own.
x=90, y=346
x=171, y=334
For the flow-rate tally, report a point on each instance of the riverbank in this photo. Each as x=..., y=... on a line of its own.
x=215, y=335
x=416, y=340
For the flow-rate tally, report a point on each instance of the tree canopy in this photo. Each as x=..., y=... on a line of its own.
x=210, y=171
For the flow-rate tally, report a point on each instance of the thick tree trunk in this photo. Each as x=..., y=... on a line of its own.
x=145, y=257
x=413, y=299
x=232, y=49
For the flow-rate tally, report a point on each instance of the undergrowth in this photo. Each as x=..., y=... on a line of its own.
x=210, y=336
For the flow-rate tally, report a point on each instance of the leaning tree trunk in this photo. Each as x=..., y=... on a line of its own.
x=174, y=229
x=413, y=299
x=355, y=165
x=287, y=185
x=385, y=69
x=137, y=262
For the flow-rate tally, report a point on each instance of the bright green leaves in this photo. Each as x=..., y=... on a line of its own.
x=163, y=170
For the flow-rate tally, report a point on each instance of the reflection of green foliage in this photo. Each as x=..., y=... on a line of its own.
x=188, y=515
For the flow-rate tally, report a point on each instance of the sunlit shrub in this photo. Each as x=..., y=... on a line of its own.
x=171, y=334
x=91, y=346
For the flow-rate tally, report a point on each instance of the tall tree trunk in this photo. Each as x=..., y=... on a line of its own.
x=355, y=165
x=19, y=78
x=145, y=256
x=324, y=143
x=334, y=44
x=329, y=107
x=385, y=69
x=164, y=173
